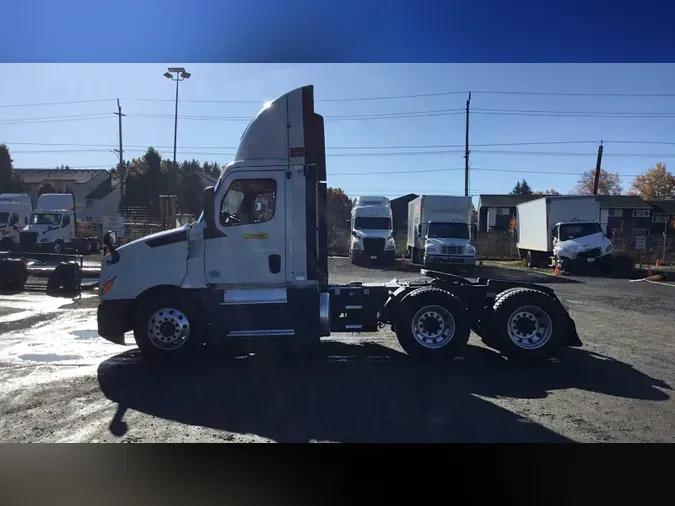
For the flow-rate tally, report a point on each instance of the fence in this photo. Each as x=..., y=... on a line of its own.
x=498, y=244
x=139, y=222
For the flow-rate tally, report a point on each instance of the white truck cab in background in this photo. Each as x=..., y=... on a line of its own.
x=372, y=233
x=52, y=227
x=15, y=209
x=565, y=229
x=439, y=232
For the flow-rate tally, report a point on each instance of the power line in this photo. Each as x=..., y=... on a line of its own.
x=366, y=99
x=419, y=146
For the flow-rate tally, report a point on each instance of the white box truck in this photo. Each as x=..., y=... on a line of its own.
x=438, y=232
x=52, y=227
x=564, y=229
x=372, y=231
x=15, y=209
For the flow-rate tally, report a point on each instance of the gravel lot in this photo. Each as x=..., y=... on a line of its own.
x=60, y=382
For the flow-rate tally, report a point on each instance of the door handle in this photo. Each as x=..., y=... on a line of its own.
x=274, y=263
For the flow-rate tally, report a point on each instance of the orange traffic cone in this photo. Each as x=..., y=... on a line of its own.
x=658, y=262
x=556, y=271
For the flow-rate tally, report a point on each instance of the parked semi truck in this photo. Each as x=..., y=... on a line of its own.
x=562, y=229
x=439, y=232
x=372, y=231
x=52, y=227
x=228, y=276
x=15, y=209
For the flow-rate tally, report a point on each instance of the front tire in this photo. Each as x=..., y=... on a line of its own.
x=527, y=324
x=170, y=325
x=433, y=323
x=58, y=247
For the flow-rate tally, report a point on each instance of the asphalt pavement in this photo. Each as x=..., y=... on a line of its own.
x=60, y=382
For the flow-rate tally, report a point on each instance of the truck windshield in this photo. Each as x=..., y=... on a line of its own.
x=371, y=223
x=574, y=230
x=45, y=219
x=3, y=218
x=448, y=230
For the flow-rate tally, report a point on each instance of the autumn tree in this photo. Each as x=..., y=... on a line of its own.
x=521, y=188
x=609, y=183
x=655, y=184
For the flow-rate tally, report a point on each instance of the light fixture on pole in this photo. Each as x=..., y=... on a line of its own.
x=181, y=75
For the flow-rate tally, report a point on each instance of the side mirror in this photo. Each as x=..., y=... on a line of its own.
x=393, y=234
x=209, y=208
x=355, y=234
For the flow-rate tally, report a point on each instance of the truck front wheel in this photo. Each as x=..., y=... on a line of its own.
x=170, y=325
x=58, y=247
x=432, y=323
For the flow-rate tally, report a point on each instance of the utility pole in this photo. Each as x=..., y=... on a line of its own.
x=120, y=168
x=466, y=150
x=596, y=183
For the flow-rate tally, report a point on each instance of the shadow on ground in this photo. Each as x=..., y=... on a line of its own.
x=360, y=393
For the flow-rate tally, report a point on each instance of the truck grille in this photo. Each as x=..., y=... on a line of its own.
x=373, y=246
x=28, y=238
x=451, y=250
x=595, y=252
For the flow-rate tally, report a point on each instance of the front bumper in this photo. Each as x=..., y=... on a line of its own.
x=450, y=260
x=112, y=318
x=380, y=256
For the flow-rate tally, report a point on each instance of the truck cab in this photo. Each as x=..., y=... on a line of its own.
x=447, y=243
x=15, y=209
x=372, y=234
x=51, y=230
x=580, y=242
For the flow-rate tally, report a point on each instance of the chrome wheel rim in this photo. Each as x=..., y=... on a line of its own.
x=168, y=329
x=530, y=327
x=57, y=248
x=433, y=327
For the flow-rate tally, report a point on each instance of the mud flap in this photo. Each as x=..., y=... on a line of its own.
x=573, y=339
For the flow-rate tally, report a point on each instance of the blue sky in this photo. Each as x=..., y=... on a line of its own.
x=354, y=161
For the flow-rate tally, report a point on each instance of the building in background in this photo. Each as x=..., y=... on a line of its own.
x=95, y=192
x=496, y=211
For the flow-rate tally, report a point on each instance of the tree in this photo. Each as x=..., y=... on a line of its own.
x=655, y=184
x=521, y=188
x=546, y=192
x=46, y=187
x=339, y=209
x=9, y=182
x=609, y=184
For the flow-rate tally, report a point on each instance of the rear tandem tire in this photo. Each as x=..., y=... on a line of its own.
x=432, y=324
x=527, y=324
x=178, y=326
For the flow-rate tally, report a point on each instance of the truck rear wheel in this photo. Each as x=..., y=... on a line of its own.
x=170, y=325
x=432, y=323
x=527, y=324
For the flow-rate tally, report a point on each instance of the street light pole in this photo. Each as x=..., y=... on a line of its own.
x=181, y=75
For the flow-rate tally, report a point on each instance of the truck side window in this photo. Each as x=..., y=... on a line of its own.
x=248, y=201
x=66, y=220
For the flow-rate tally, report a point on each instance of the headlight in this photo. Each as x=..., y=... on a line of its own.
x=608, y=248
x=470, y=250
x=105, y=288
x=356, y=245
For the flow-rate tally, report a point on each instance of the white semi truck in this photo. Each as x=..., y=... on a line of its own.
x=439, y=232
x=372, y=231
x=15, y=209
x=52, y=227
x=562, y=229
x=228, y=276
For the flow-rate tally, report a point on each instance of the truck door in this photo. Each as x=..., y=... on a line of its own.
x=251, y=220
